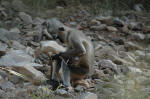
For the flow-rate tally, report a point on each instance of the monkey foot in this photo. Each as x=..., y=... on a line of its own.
x=85, y=83
x=69, y=89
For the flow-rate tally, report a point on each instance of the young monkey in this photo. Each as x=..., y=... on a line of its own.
x=80, y=52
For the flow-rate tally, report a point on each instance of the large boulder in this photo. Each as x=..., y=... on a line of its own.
x=51, y=46
x=31, y=74
x=14, y=57
x=25, y=18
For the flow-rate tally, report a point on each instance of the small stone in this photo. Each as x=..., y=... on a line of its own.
x=16, y=45
x=62, y=92
x=1, y=78
x=108, y=64
x=135, y=26
x=118, y=22
x=25, y=17
x=132, y=46
x=111, y=29
x=15, y=30
x=14, y=79
x=117, y=60
x=125, y=29
x=88, y=95
x=147, y=56
x=99, y=28
x=3, y=48
x=73, y=24
x=79, y=88
x=106, y=20
x=118, y=41
x=7, y=86
x=146, y=29
x=140, y=53
x=138, y=7
x=138, y=36
x=18, y=5
x=95, y=22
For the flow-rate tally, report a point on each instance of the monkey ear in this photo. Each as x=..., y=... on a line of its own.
x=61, y=29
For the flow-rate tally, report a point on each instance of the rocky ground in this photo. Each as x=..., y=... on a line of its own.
x=122, y=54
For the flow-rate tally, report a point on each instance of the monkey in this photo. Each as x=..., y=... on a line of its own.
x=78, y=46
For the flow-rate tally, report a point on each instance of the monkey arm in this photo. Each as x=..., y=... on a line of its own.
x=77, y=50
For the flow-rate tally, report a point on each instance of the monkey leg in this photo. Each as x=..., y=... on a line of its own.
x=65, y=74
x=55, y=70
x=76, y=79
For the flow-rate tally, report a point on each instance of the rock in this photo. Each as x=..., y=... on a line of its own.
x=118, y=22
x=147, y=37
x=21, y=94
x=48, y=35
x=95, y=22
x=146, y=29
x=3, y=48
x=98, y=74
x=33, y=75
x=99, y=28
x=147, y=56
x=28, y=64
x=138, y=36
x=15, y=30
x=16, y=45
x=15, y=79
x=51, y=46
x=19, y=5
x=118, y=41
x=87, y=95
x=14, y=57
x=106, y=20
x=27, y=19
x=138, y=7
x=30, y=51
x=79, y=88
x=62, y=92
x=132, y=46
x=111, y=29
x=135, y=26
x=3, y=74
x=107, y=64
x=7, y=86
x=142, y=80
x=99, y=46
x=38, y=21
x=134, y=70
x=117, y=60
x=104, y=52
x=3, y=94
x=140, y=53
x=5, y=35
x=73, y=24
x=125, y=29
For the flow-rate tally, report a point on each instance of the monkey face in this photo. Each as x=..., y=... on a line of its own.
x=62, y=34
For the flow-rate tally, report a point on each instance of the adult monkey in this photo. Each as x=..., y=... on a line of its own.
x=79, y=46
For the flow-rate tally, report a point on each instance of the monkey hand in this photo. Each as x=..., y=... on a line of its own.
x=56, y=57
